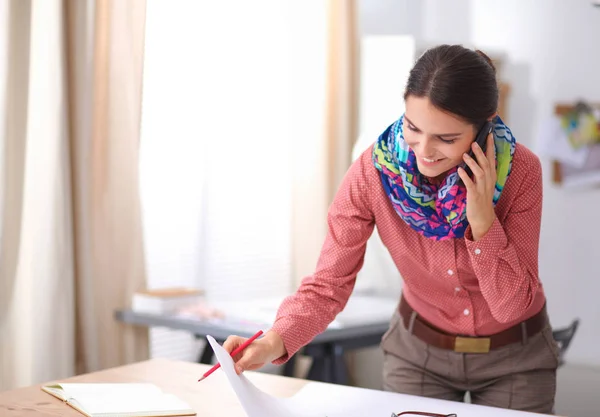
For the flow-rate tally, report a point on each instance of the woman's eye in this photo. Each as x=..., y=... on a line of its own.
x=411, y=127
x=448, y=141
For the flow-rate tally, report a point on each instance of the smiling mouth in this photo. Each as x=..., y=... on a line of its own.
x=431, y=161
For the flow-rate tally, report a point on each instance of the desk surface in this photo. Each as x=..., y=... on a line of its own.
x=210, y=398
x=175, y=377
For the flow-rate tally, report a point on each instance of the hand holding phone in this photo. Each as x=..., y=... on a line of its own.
x=481, y=186
x=481, y=140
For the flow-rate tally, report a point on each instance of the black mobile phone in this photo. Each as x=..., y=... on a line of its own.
x=481, y=140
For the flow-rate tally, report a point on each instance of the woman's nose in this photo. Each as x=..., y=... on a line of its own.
x=426, y=147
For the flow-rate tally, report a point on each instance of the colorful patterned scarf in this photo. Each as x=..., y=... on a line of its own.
x=437, y=211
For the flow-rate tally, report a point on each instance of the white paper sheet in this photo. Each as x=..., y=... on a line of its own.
x=328, y=400
x=255, y=402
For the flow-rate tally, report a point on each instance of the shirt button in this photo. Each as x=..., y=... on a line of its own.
x=477, y=251
x=457, y=289
x=450, y=272
x=466, y=312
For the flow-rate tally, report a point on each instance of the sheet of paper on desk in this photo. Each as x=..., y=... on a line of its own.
x=255, y=402
x=328, y=400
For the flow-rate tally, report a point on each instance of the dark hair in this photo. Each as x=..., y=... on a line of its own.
x=457, y=80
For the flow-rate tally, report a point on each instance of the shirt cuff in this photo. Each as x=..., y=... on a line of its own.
x=291, y=339
x=489, y=246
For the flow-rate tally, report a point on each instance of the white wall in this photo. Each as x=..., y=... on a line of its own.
x=554, y=52
x=390, y=17
x=537, y=39
x=445, y=21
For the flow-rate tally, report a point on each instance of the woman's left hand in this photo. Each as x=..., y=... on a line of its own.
x=480, y=189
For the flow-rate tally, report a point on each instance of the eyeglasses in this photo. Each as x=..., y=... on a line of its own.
x=421, y=413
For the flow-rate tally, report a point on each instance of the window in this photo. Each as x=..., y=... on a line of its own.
x=215, y=152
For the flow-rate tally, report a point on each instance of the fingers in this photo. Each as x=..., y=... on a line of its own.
x=253, y=358
x=484, y=168
x=469, y=185
x=232, y=343
x=491, y=151
x=238, y=369
x=245, y=364
x=247, y=360
x=475, y=168
x=481, y=157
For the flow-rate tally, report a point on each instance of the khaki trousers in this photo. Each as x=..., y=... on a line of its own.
x=520, y=376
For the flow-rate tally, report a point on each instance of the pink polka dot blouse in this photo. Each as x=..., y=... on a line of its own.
x=461, y=286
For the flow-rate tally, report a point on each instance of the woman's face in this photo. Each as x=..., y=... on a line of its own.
x=438, y=139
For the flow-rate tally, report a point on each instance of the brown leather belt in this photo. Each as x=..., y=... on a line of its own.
x=465, y=344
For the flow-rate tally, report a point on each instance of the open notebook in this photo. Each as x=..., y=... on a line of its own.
x=120, y=400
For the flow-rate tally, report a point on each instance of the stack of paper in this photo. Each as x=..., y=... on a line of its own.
x=165, y=300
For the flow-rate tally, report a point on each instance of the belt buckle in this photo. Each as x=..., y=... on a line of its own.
x=472, y=344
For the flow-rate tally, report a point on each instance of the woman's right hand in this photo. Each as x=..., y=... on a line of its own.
x=260, y=352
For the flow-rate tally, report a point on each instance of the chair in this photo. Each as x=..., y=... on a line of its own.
x=563, y=338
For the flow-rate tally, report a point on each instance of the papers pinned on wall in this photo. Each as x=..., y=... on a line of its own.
x=576, y=159
x=553, y=142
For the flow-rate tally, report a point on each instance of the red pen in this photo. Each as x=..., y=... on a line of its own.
x=235, y=352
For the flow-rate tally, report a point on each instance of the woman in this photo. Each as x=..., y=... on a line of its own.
x=472, y=316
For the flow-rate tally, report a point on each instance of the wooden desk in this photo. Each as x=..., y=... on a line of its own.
x=212, y=397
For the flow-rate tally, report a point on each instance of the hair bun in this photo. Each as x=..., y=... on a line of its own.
x=487, y=59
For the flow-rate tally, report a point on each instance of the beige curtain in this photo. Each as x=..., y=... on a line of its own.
x=110, y=263
x=70, y=235
x=36, y=298
x=325, y=137
x=342, y=83
x=320, y=165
